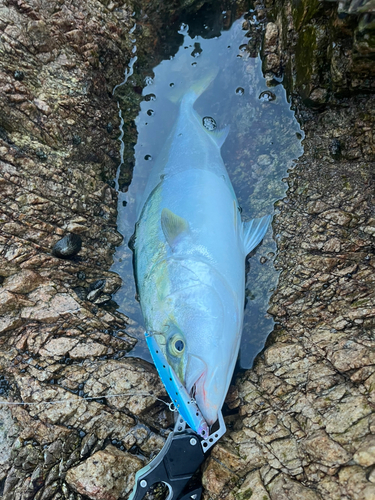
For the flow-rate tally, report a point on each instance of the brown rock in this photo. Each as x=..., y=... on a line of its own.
x=89, y=349
x=215, y=477
x=324, y=450
x=345, y=413
x=253, y=488
x=24, y=282
x=282, y=488
x=332, y=245
x=58, y=347
x=365, y=455
x=337, y=216
x=106, y=475
x=59, y=305
x=280, y=353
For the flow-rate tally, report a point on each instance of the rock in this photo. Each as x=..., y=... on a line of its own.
x=365, y=455
x=332, y=245
x=312, y=387
x=282, y=488
x=49, y=309
x=90, y=349
x=325, y=450
x=287, y=453
x=107, y=475
x=134, y=380
x=58, y=347
x=23, y=282
x=271, y=61
x=215, y=477
x=345, y=413
x=68, y=246
x=253, y=488
x=356, y=484
x=282, y=352
x=8, y=434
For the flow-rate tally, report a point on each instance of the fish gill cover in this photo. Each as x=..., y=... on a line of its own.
x=263, y=141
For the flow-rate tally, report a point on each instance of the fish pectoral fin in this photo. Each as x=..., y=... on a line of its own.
x=219, y=136
x=254, y=231
x=173, y=226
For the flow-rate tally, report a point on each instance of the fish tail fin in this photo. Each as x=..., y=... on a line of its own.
x=253, y=232
x=192, y=93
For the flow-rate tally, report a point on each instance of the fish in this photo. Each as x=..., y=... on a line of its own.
x=190, y=246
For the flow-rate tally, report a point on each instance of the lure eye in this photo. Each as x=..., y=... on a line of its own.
x=176, y=345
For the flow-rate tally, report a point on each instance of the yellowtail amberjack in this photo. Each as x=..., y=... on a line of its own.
x=190, y=247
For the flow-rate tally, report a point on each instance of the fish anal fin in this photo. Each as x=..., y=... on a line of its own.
x=253, y=232
x=173, y=226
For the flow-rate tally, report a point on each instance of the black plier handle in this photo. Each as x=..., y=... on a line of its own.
x=174, y=466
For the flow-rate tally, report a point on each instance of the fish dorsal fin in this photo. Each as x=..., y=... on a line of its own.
x=173, y=226
x=219, y=136
x=254, y=231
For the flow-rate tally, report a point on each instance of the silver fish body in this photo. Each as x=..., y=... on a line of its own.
x=190, y=250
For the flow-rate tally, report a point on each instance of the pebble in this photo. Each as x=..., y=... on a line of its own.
x=68, y=246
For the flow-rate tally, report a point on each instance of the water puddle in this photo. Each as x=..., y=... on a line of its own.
x=263, y=142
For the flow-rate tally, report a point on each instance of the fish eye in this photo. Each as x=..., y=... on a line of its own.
x=176, y=345
x=179, y=345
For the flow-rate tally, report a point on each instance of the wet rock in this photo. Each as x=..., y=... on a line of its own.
x=107, y=475
x=267, y=96
x=356, y=484
x=8, y=434
x=49, y=307
x=321, y=59
x=335, y=149
x=68, y=246
x=85, y=351
x=309, y=396
x=23, y=282
x=271, y=60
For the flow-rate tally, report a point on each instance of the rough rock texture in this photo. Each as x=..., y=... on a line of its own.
x=302, y=420
x=59, y=153
x=305, y=416
x=107, y=475
x=324, y=49
x=301, y=423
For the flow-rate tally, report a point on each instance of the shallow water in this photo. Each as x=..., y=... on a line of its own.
x=263, y=142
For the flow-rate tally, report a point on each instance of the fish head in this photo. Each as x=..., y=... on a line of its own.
x=199, y=347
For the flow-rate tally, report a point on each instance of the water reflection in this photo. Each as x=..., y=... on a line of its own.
x=263, y=141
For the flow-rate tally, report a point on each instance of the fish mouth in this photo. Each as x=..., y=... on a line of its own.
x=205, y=387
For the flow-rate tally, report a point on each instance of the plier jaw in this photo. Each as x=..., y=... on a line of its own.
x=177, y=462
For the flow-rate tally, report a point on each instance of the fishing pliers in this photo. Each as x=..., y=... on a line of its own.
x=177, y=462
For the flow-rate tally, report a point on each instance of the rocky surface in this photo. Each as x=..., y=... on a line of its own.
x=324, y=49
x=58, y=157
x=301, y=422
